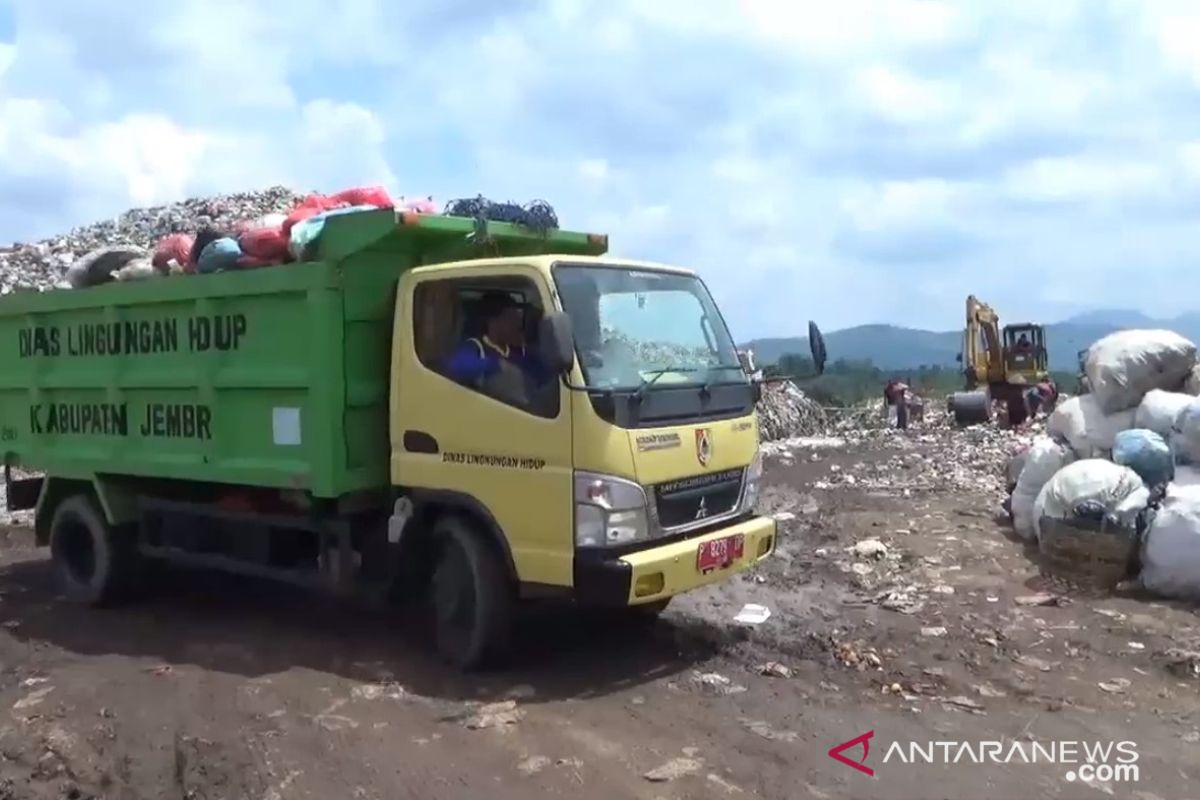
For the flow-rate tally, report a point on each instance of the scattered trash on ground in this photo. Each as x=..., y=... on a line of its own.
x=495, y=716
x=752, y=614
x=717, y=684
x=775, y=670
x=674, y=769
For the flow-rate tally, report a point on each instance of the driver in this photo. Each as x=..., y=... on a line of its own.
x=498, y=362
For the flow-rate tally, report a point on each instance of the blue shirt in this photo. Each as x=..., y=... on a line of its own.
x=476, y=359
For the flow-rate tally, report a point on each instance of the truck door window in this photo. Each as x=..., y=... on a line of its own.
x=460, y=334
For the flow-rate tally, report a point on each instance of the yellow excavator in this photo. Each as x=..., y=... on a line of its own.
x=999, y=364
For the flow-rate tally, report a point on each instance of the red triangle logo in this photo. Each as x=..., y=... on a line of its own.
x=861, y=765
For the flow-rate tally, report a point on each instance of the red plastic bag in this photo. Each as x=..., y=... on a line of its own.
x=309, y=207
x=174, y=247
x=265, y=243
x=250, y=262
x=365, y=196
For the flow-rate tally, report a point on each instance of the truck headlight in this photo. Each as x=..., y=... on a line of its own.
x=609, y=511
x=754, y=474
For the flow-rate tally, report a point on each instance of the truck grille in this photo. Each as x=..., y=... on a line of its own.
x=691, y=501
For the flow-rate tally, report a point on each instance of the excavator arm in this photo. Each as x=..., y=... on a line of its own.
x=983, y=350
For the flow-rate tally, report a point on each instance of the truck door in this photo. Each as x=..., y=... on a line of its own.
x=509, y=458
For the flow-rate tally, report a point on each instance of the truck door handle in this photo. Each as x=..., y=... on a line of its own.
x=420, y=442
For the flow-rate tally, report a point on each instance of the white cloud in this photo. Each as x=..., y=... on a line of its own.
x=1082, y=180
x=902, y=98
x=904, y=204
x=866, y=159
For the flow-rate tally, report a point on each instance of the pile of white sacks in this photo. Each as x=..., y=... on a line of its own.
x=1126, y=456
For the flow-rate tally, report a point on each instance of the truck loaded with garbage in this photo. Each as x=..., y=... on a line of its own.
x=1111, y=493
x=285, y=400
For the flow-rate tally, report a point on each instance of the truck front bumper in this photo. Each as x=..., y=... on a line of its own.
x=657, y=573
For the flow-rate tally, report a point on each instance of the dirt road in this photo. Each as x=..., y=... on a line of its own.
x=935, y=628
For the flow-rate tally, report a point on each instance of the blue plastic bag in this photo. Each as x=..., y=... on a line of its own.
x=1146, y=453
x=219, y=254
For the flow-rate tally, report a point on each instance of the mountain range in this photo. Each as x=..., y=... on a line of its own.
x=893, y=347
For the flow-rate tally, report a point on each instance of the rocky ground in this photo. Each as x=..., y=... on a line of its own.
x=899, y=606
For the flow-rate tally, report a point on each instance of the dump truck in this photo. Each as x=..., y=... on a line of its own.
x=298, y=423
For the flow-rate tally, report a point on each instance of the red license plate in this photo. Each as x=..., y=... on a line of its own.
x=720, y=553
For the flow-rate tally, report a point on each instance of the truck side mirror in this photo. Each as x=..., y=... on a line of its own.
x=556, y=340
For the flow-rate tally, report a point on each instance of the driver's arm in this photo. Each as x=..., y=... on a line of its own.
x=468, y=364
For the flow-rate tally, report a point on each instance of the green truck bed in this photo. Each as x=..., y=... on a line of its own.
x=267, y=377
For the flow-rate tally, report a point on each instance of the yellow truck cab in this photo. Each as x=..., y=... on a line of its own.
x=615, y=465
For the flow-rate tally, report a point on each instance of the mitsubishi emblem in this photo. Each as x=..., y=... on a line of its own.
x=702, y=510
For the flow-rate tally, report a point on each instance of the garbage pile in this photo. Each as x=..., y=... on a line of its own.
x=785, y=412
x=1112, y=490
x=231, y=232
x=41, y=266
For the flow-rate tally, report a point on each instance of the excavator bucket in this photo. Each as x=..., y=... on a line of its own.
x=816, y=345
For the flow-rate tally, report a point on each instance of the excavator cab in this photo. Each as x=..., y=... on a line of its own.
x=1025, y=358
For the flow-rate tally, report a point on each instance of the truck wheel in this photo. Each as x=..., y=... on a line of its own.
x=97, y=564
x=971, y=408
x=472, y=601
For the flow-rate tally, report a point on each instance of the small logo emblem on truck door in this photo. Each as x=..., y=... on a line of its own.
x=703, y=446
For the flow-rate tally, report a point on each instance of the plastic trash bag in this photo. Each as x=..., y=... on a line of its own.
x=1191, y=384
x=1044, y=459
x=1081, y=423
x=374, y=196
x=266, y=244
x=1093, y=487
x=1185, y=434
x=305, y=235
x=1159, y=409
x=1171, y=550
x=139, y=269
x=1146, y=453
x=175, y=247
x=302, y=242
x=217, y=255
x=98, y=266
x=204, y=238
x=308, y=208
x=250, y=262
x=1186, y=476
x=1014, y=467
x=1123, y=366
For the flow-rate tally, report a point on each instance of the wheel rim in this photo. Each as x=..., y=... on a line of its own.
x=454, y=600
x=77, y=551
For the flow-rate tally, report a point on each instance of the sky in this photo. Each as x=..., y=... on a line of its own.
x=849, y=162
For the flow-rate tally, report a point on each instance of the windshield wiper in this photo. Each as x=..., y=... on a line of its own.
x=706, y=389
x=640, y=392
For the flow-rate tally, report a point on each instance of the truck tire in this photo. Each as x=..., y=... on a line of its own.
x=472, y=598
x=971, y=408
x=97, y=564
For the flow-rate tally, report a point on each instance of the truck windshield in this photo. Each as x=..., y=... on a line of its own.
x=641, y=329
